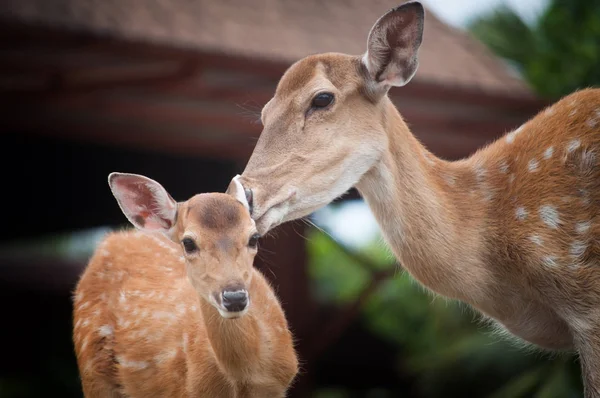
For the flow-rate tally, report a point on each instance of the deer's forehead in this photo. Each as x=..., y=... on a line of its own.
x=337, y=69
x=216, y=214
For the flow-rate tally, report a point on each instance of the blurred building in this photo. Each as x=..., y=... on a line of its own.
x=173, y=90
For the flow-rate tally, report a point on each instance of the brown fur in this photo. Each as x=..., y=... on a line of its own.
x=521, y=246
x=141, y=329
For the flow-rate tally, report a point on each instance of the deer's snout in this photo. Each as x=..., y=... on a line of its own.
x=235, y=300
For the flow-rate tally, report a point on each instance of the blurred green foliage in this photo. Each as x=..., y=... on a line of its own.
x=557, y=54
x=444, y=344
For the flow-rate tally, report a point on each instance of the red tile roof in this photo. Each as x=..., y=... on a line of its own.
x=282, y=30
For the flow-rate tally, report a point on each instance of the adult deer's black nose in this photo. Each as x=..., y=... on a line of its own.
x=235, y=300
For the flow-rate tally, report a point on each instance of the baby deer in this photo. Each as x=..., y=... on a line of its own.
x=513, y=230
x=178, y=310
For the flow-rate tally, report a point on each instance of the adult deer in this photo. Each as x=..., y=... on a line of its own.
x=178, y=310
x=513, y=230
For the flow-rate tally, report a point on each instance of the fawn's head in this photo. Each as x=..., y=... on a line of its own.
x=217, y=237
x=325, y=126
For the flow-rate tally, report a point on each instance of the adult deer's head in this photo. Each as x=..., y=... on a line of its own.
x=325, y=127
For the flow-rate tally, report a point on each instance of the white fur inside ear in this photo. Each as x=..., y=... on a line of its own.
x=145, y=203
x=165, y=208
x=237, y=190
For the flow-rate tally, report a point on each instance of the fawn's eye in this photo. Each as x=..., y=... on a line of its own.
x=253, y=241
x=322, y=100
x=189, y=245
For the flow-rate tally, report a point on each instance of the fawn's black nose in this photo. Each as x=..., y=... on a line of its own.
x=235, y=301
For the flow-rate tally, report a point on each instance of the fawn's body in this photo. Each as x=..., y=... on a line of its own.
x=513, y=230
x=143, y=330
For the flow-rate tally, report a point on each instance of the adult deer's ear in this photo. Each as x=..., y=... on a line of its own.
x=394, y=41
x=145, y=203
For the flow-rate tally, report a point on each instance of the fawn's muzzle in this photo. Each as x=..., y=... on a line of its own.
x=235, y=301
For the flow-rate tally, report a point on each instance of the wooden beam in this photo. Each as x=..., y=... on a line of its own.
x=111, y=135
x=273, y=68
x=158, y=113
x=62, y=79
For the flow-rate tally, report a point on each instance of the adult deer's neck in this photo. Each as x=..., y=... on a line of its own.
x=429, y=211
x=235, y=342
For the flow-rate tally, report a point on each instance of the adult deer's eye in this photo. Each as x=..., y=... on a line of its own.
x=322, y=100
x=253, y=241
x=189, y=245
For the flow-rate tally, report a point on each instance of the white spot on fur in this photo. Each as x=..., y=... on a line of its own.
x=163, y=315
x=549, y=111
x=504, y=167
x=84, y=344
x=450, y=179
x=588, y=159
x=549, y=216
x=533, y=165
x=105, y=330
x=578, y=248
x=139, y=334
x=429, y=158
x=180, y=309
x=78, y=297
x=511, y=178
x=165, y=356
x=488, y=194
x=536, y=239
x=85, y=323
x=573, y=112
x=582, y=227
x=122, y=297
x=184, y=343
x=139, y=365
x=510, y=137
x=573, y=145
x=548, y=152
x=549, y=261
x=123, y=323
x=84, y=306
x=521, y=213
x=480, y=173
x=591, y=122
x=77, y=324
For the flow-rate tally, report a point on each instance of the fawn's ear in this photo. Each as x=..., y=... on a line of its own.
x=145, y=203
x=236, y=190
x=392, y=47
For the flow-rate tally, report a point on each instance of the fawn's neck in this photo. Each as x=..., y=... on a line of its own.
x=235, y=342
x=432, y=227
